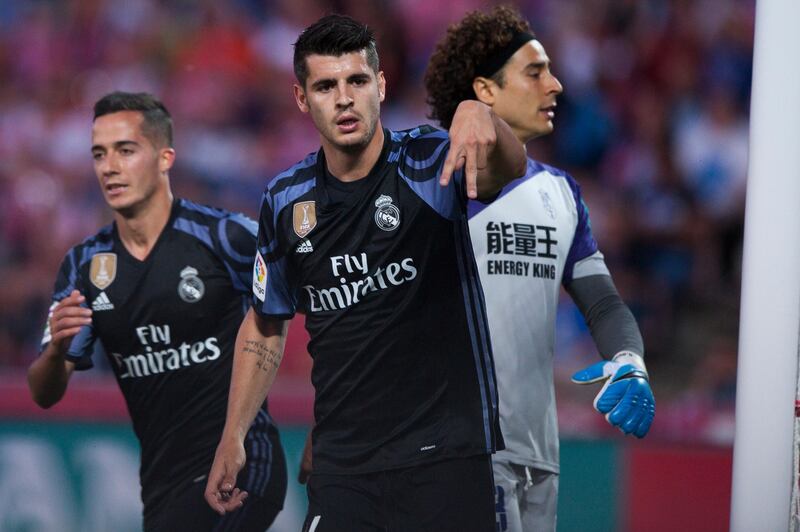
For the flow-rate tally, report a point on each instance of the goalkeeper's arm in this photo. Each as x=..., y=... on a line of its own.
x=626, y=398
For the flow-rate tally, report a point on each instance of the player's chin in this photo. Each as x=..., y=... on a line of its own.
x=353, y=140
x=543, y=128
x=121, y=205
x=115, y=202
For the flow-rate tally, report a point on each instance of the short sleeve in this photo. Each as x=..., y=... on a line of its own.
x=583, y=258
x=420, y=162
x=235, y=239
x=82, y=345
x=274, y=295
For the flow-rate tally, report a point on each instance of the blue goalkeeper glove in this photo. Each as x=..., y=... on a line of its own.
x=625, y=399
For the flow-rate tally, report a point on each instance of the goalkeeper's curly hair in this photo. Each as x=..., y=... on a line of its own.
x=467, y=44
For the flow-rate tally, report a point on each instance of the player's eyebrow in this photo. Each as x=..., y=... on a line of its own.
x=328, y=82
x=358, y=77
x=118, y=144
x=321, y=83
x=537, y=65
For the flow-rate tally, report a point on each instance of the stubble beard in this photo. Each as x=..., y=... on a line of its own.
x=361, y=144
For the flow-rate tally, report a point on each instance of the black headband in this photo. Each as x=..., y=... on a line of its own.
x=496, y=60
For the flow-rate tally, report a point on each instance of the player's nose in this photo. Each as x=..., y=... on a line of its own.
x=109, y=166
x=555, y=85
x=344, y=96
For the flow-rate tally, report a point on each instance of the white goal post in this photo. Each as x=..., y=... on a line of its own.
x=763, y=455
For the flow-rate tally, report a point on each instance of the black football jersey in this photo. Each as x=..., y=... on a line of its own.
x=403, y=371
x=168, y=326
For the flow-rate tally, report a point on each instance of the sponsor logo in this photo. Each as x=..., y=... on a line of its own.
x=259, y=277
x=387, y=216
x=304, y=247
x=101, y=302
x=103, y=270
x=304, y=217
x=191, y=287
x=521, y=239
x=349, y=293
x=160, y=355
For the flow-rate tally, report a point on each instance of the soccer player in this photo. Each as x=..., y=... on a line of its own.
x=163, y=290
x=368, y=237
x=533, y=238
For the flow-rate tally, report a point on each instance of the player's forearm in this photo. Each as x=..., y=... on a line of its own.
x=610, y=321
x=257, y=355
x=506, y=161
x=48, y=377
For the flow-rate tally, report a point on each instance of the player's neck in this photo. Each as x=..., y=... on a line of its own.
x=139, y=230
x=352, y=166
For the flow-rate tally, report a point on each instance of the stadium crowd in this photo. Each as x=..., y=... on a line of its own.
x=652, y=123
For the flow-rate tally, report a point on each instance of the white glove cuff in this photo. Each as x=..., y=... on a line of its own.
x=629, y=357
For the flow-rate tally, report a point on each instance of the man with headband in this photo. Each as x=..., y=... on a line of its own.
x=533, y=237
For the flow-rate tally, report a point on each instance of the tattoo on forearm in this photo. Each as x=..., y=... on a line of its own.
x=268, y=359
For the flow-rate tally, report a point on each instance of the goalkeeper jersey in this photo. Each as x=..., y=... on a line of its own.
x=402, y=369
x=534, y=237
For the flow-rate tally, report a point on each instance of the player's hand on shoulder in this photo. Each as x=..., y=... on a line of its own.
x=472, y=137
x=221, y=492
x=625, y=399
x=66, y=320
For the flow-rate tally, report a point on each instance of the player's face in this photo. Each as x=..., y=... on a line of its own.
x=343, y=95
x=527, y=99
x=131, y=170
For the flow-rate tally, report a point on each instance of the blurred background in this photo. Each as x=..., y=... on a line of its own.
x=653, y=123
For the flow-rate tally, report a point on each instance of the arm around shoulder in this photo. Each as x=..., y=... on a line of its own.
x=484, y=146
x=507, y=161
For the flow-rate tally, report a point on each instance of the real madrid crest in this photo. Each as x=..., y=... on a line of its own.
x=191, y=287
x=387, y=216
x=103, y=269
x=304, y=218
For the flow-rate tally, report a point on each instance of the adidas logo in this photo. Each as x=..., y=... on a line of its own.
x=102, y=302
x=304, y=247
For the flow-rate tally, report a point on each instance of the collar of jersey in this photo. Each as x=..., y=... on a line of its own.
x=123, y=251
x=354, y=189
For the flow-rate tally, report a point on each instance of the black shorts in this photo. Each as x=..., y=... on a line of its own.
x=188, y=511
x=452, y=495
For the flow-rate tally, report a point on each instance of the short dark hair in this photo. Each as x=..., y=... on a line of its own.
x=333, y=35
x=455, y=60
x=157, y=123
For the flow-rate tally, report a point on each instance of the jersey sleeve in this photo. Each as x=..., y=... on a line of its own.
x=274, y=294
x=82, y=345
x=420, y=163
x=584, y=258
x=235, y=237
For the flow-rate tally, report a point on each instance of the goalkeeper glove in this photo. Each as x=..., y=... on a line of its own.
x=625, y=399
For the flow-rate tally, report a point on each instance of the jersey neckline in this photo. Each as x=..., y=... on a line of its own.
x=352, y=190
x=123, y=250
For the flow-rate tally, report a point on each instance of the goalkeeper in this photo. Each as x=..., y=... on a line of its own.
x=534, y=237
